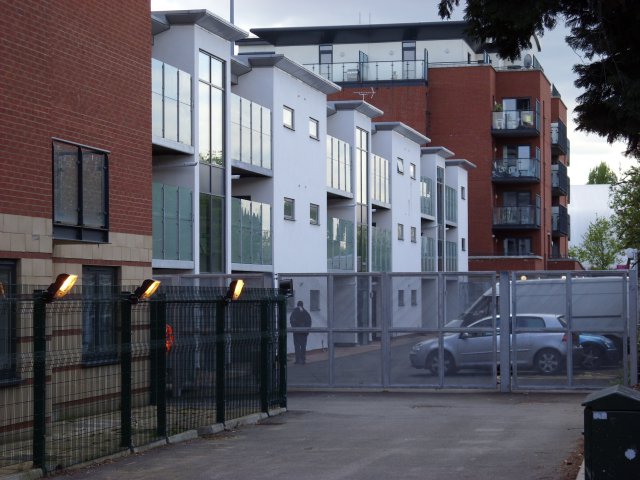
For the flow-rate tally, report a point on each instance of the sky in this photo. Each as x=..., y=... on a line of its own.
x=556, y=58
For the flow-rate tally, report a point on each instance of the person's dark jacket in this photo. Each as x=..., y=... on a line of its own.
x=300, y=318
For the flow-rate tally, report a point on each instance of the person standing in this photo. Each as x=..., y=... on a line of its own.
x=300, y=318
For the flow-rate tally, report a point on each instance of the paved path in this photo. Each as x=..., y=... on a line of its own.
x=358, y=436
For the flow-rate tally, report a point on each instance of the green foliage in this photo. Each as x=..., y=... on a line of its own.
x=625, y=200
x=603, y=32
x=602, y=174
x=600, y=246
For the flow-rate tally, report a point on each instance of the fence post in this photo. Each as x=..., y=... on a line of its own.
x=125, y=371
x=159, y=361
x=505, y=330
x=39, y=380
x=265, y=358
x=282, y=350
x=220, y=312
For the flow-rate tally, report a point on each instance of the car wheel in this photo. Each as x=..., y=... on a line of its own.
x=548, y=361
x=433, y=363
x=592, y=357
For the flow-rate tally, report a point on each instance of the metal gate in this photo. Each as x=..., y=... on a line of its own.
x=566, y=330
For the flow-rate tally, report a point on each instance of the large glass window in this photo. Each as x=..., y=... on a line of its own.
x=100, y=315
x=80, y=193
x=362, y=199
x=314, y=214
x=517, y=246
x=7, y=320
x=211, y=73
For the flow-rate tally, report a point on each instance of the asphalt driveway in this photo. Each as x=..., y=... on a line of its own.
x=358, y=435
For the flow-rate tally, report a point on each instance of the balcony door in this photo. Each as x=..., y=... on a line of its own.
x=513, y=109
x=517, y=159
x=326, y=61
x=409, y=60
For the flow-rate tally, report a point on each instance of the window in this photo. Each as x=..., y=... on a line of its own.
x=413, y=235
x=463, y=193
x=99, y=319
x=314, y=128
x=8, y=313
x=80, y=193
x=401, y=298
x=412, y=170
x=400, y=166
x=463, y=244
x=517, y=246
x=287, y=117
x=400, y=231
x=289, y=209
x=314, y=300
x=326, y=53
x=414, y=298
x=314, y=214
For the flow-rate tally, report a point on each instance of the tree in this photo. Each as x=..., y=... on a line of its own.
x=602, y=174
x=625, y=198
x=605, y=32
x=600, y=246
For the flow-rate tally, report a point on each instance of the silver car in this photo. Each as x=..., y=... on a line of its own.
x=545, y=352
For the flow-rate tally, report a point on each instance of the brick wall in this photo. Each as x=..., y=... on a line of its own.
x=80, y=71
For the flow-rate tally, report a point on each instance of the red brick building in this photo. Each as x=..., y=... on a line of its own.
x=504, y=117
x=75, y=153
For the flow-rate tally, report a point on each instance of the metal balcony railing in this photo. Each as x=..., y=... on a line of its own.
x=516, y=170
x=363, y=72
x=559, y=138
x=517, y=217
x=515, y=123
x=559, y=179
x=251, y=232
x=560, y=221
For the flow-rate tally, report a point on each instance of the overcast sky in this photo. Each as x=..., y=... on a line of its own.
x=556, y=57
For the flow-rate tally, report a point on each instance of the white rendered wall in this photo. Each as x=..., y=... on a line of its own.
x=179, y=47
x=405, y=197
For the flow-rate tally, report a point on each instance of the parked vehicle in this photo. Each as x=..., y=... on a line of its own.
x=598, y=303
x=543, y=351
x=598, y=350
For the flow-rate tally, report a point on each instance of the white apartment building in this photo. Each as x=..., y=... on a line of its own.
x=254, y=171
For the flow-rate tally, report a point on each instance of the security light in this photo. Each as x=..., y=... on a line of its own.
x=146, y=290
x=235, y=290
x=58, y=289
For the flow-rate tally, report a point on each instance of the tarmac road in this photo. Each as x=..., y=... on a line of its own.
x=378, y=435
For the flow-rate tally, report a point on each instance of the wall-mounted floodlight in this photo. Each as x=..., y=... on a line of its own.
x=58, y=289
x=523, y=277
x=235, y=290
x=285, y=287
x=145, y=291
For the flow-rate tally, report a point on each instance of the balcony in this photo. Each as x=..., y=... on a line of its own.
x=172, y=228
x=520, y=218
x=427, y=204
x=380, y=188
x=515, y=123
x=380, y=250
x=428, y=254
x=516, y=170
x=338, y=167
x=451, y=206
x=559, y=180
x=171, y=109
x=451, y=256
x=560, y=221
x=250, y=137
x=559, y=142
x=340, y=244
x=250, y=233
x=371, y=72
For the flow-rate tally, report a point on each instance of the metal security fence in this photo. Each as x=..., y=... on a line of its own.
x=94, y=374
x=563, y=330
